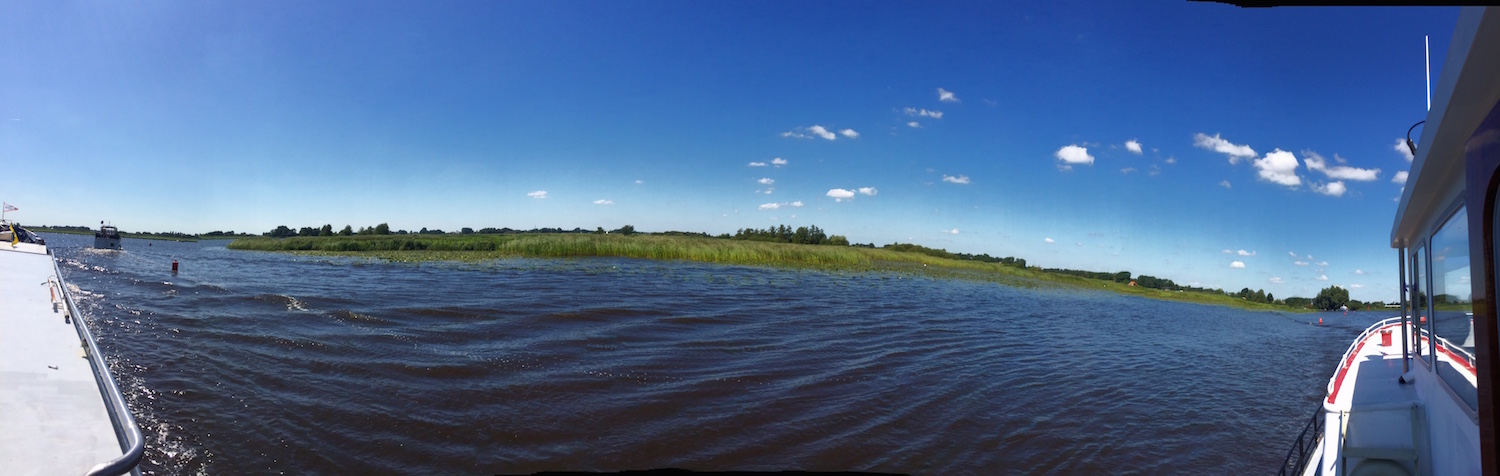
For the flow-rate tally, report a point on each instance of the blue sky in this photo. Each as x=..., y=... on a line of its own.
x=1265, y=137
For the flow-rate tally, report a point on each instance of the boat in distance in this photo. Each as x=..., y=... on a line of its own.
x=107, y=238
x=61, y=409
x=1414, y=394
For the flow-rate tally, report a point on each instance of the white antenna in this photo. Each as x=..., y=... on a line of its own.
x=1426, y=48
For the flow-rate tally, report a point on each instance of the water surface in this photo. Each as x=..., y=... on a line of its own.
x=249, y=362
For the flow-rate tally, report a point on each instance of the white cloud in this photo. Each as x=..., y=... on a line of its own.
x=757, y=164
x=778, y=161
x=815, y=130
x=946, y=95
x=1073, y=154
x=914, y=124
x=1322, y=277
x=1323, y=263
x=1228, y=252
x=953, y=231
x=1246, y=253
x=1356, y=286
x=1316, y=162
x=1133, y=146
x=1225, y=184
x=1237, y=265
x=638, y=182
x=1279, y=167
x=1300, y=263
x=1403, y=149
x=849, y=133
x=1400, y=177
x=1359, y=271
x=961, y=179
x=1335, y=189
x=1049, y=240
x=604, y=202
x=1293, y=254
x=797, y=203
x=1128, y=170
x=1235, y=152
x=539, y=194
x=840, y=194
x=868, y=191
x=1276, y=280
x=911, y=111
x=770, y=206
x=766, y=181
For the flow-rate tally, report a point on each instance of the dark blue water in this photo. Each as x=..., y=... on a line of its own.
x=249, y=362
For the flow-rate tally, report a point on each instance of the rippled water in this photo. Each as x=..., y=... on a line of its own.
x=260, y=362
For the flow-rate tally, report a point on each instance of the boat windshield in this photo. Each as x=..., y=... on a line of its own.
x=1452, y=305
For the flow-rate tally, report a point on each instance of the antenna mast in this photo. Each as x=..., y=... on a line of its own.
x=1427, y=49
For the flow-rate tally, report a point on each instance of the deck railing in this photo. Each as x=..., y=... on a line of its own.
x=1305, y=445
x=1344, y=361
x=126, y=430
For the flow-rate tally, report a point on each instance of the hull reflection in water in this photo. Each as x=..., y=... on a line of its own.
x=247, y=361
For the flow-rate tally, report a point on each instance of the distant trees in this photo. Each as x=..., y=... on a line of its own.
x=347, y=231
x=1330, y=298
x=327, y=230
x=281, y=232
x=625, y=230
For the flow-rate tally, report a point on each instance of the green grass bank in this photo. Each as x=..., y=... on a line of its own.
x=480, y=247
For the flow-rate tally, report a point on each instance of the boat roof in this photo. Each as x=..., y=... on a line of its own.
x=52, y=407
x=1460, y=103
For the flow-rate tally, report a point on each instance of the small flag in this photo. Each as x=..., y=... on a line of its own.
x=10, y=208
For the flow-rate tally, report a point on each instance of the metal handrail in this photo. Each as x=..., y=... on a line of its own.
x=132, y=443
x=1344, y=360
x=1304, y=446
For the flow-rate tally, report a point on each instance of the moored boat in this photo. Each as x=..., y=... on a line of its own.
x=1413, y=394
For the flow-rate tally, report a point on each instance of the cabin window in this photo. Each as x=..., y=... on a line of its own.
x=1419, y=303
x=1452, y=318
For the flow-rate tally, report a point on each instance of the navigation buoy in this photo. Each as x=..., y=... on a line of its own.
x=174, y=266
x=1320, y=320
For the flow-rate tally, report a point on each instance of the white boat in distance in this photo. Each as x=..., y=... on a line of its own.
x=1414, y=394
x=107, y=238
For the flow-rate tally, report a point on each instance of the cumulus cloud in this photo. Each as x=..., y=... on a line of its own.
x=1403, y=149
x=961, y=179
x=1293, y=254
x=1072, y=154
x=757, y=164
x=1323, y=277
x=1235, y=152
x=911, y=111
x=1228, y=252
x=1356, y=286
x=766, y=181
x=770, y=206
x=1279, y=167
x=638, y=182
x=778, y=161
x=1359, y=271
x=849, y=133
x=946, y=95
x=797, y=203
x=539, y=194
x=810, y=132
x=1245, y=253
x=1133, y=146
x=1237, y=265
x=1225, y=184
x=1335, y=189
x=1170, y=160
x=1276, y=280
x=840, y=194
x=1300, y=263
x=914, y=125
x=868, y=191
x=1049, y=240
x=1322, y=263
x=604, y=202
x=953, y=231
x=1399, y=178
x=1316, y=163
x=1128, y=170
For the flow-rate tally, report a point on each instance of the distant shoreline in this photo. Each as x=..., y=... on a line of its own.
x=481, y=247
x=143, y=236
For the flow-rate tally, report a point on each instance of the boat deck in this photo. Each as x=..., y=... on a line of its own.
x=51, y=406
x=1375, y=371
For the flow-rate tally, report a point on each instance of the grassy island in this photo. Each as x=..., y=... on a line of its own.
x=478, y=247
